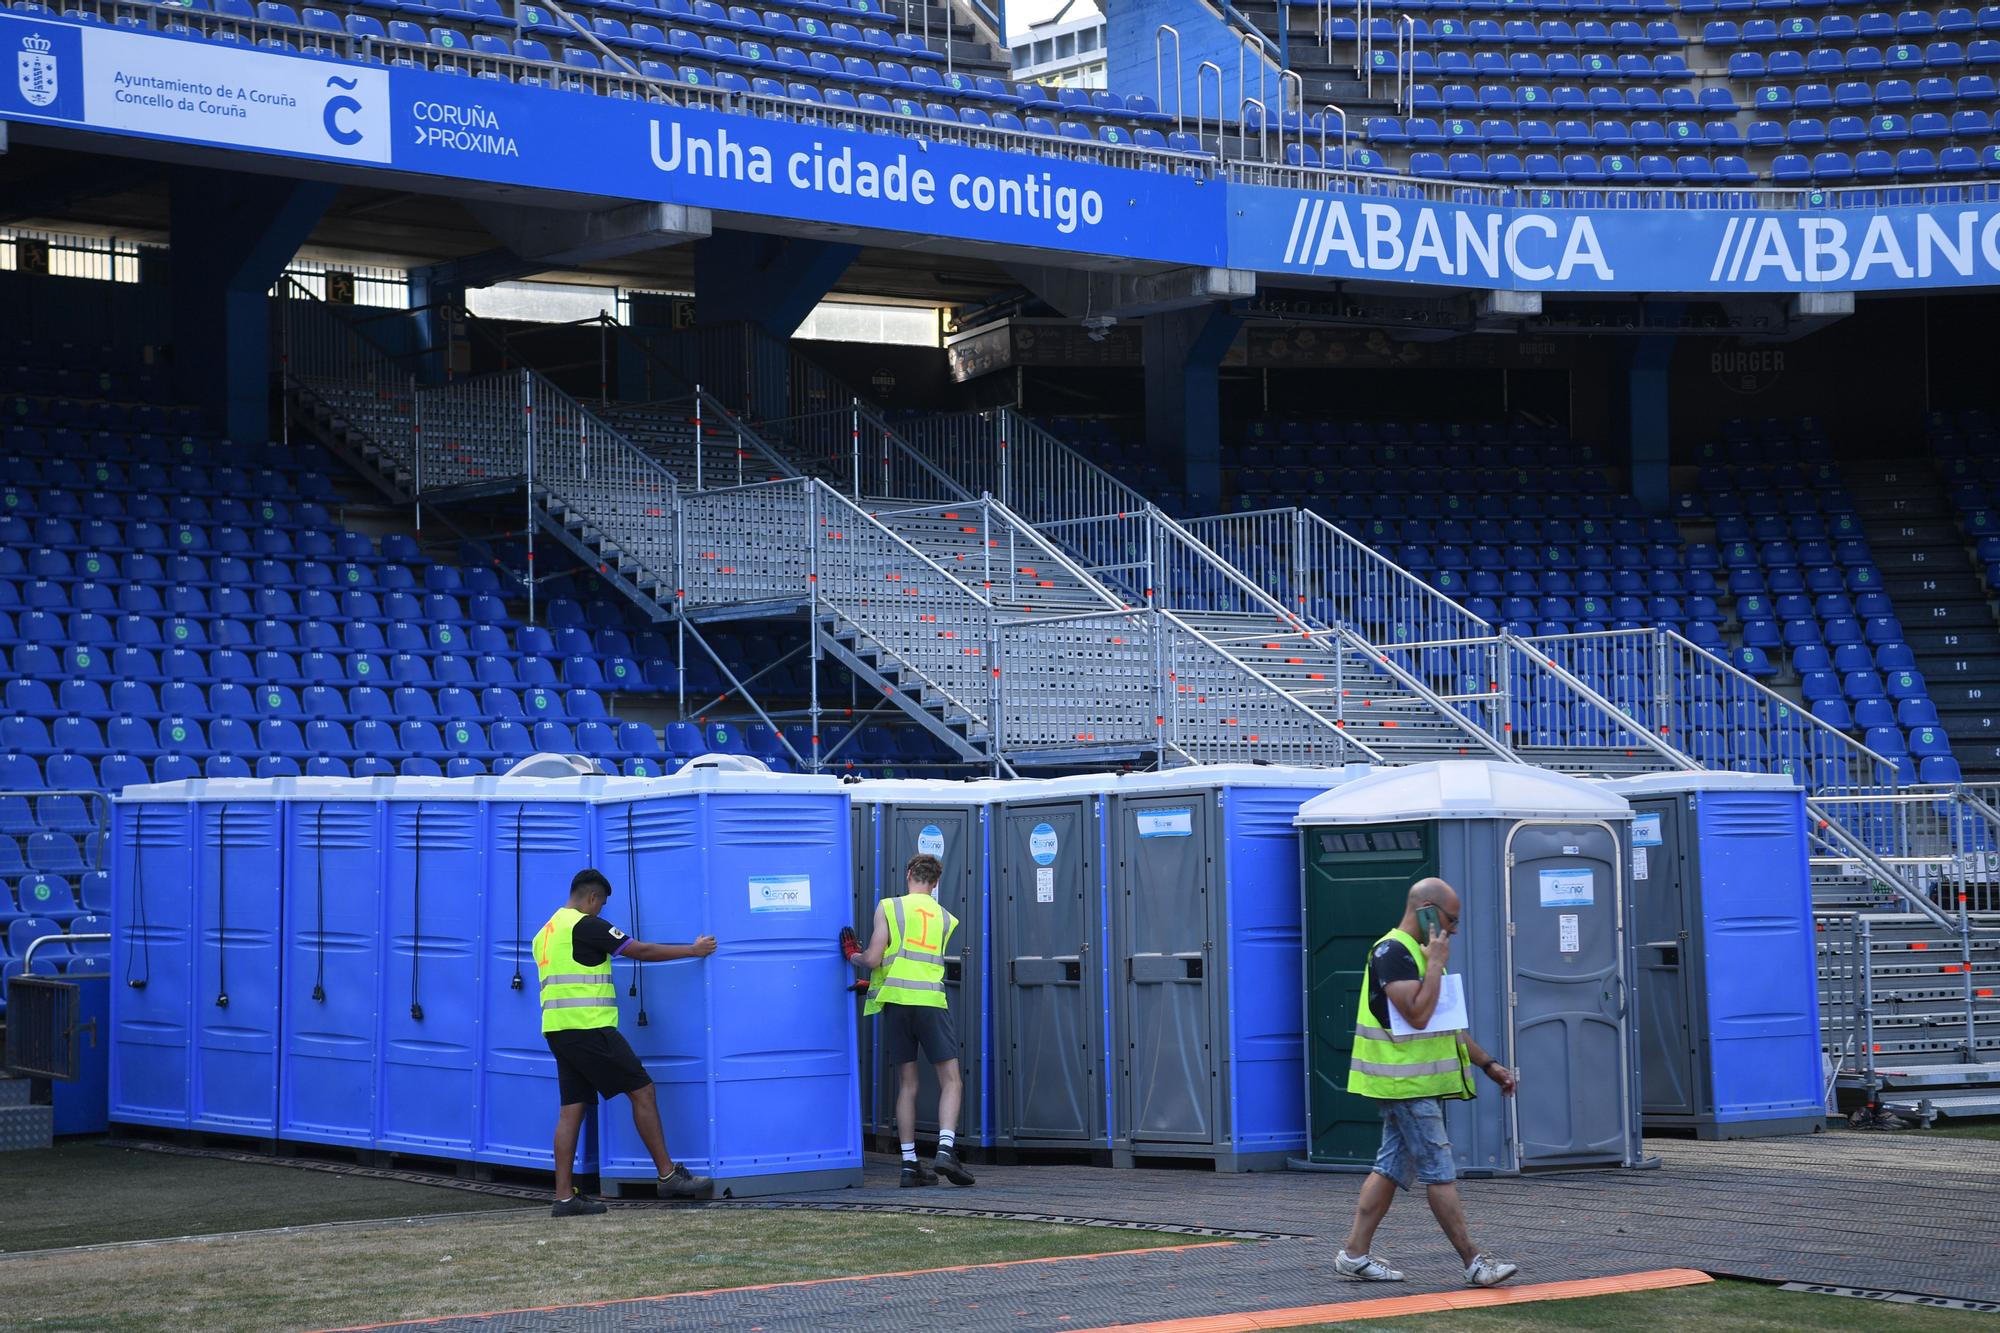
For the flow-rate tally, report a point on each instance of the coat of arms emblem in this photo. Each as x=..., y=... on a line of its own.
x=36, y=63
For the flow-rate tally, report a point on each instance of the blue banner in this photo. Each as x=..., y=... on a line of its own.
x=159, y=87
x=1677, y=250
x=119, y=81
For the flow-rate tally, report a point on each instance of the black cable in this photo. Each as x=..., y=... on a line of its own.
x=222, y=908
x=139, y=934
x=520, y=940
x=638, y=932
x=417, y=916
x=319, y=893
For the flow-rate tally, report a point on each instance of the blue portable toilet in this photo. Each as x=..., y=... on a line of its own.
x=333, y=954
x=197, y=954
x=238, y=957
x=153, y=880
x=1207, y=960
x=428, y=1086
x=1727, y=981
x=752, y=1050
x=898, y=818
x=539, y=833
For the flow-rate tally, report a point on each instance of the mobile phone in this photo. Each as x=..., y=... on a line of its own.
x=1429, y=922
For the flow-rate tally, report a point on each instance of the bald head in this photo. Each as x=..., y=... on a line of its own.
x=1433, y=892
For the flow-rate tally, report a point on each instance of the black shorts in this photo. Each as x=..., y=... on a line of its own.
x=909, y=1028
x=595, y=1062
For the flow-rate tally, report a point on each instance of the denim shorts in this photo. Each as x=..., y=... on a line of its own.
x=1414, y=1146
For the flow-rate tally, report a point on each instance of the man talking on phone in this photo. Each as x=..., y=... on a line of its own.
x=1410, y=1077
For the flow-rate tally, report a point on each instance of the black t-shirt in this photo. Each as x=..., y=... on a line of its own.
x=1391, y=961
x=593, y=939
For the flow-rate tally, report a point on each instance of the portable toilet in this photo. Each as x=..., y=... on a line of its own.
x=537, y=833
x=429, y=1088
x=900, y=818
x=752, y=1049
x=333, y=962
x=1727, y=985
x=1208, y=1043
x=1051, y=989
x=153, y=860
x=1539, y=862
x=196, y=931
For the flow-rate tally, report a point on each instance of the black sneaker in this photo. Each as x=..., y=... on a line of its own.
x=680, y=1183
x=916, y=1175
x=577, y=1205
x=951, y=1168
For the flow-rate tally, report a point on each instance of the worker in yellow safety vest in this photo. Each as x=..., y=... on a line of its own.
x=573, y=953
x=905, y=962
x=1410, y=1075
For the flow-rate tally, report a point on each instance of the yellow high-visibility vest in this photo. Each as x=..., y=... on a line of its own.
x=1392, y=1068
x=912, y=970
x=573, y=996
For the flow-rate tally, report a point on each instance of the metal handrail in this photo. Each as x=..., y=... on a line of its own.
x=1160, y=74
x=1343, y=736
x=1263, y=130
x=86, y=937
x=1200, y=117
x=1406, y=56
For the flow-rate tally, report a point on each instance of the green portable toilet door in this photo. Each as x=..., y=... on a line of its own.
x=1569, y=1033
x=1667, y=1064
x=1356, y=882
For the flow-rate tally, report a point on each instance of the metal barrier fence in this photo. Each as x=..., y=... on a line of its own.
x=1327, y=577
x=857, y=452
x=1003, y=453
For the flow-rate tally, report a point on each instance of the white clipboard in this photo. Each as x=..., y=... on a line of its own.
x=1449, y=1016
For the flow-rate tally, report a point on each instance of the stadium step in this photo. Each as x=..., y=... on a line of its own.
x=25, y=1128
x=1940, y=601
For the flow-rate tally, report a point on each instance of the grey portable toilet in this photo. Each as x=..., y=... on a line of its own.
x=1727, y=989
x=1539, y=862
x=1051, y=982
x=1207, y=1041
x=899, y=818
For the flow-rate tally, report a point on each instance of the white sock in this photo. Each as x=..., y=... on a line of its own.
x=909, y=1152
x=946, y=1138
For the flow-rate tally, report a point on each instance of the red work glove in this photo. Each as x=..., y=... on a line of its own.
x=860, y=987
x=850, y=943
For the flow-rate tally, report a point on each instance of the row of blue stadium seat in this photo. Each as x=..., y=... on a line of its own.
x=27, y=431
x=1909, y=164
x=33, y=458
x=1523, y=32
x=1420, y=480
x=81, y=701
x=1810, y=131
x=1877, y=24
x=1859, y=95
x=53, y=898
x=1833, y=60
x=1583, y=168
x=1514, y=444
x=29, y=407
x=194, y=589
x=431, y=639
x=56, y=851
x=25, y=819
x=272, y=667
x=1520, y=532
x=58, y=958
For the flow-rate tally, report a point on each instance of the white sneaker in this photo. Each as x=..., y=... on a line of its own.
x=1488, y=1272
x=1367, y=1268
